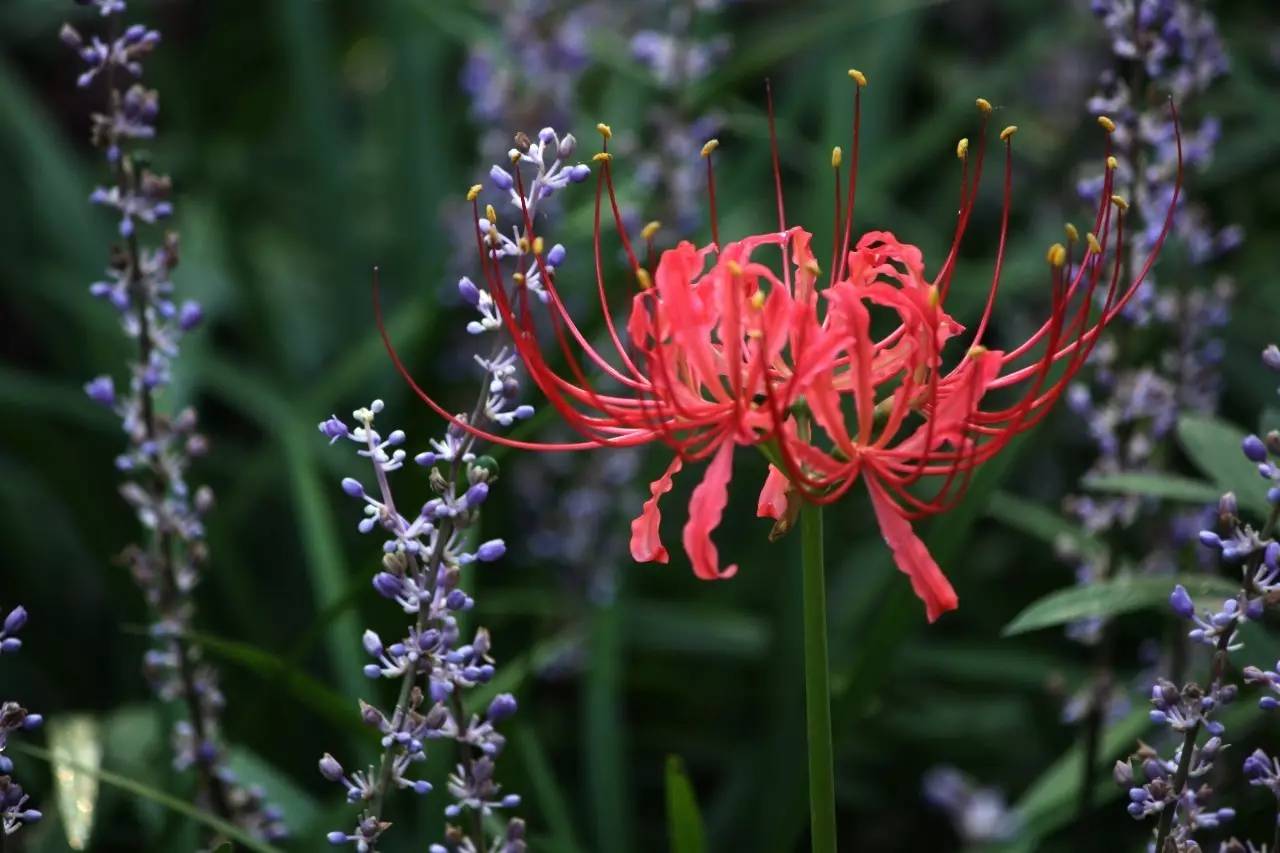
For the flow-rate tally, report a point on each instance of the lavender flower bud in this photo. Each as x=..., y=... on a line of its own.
x=1254, y=449
x=555, y=257
x=491, y=550
x=1181, y=602
x=502, y=707
x=330, y=768
x=476, y=495
x=101, y=390
x=352, y=487
x=15, y=620
x=468, y=291
x=190, y=315
x=501, y=178
x=1271, y=357
x=579, y=173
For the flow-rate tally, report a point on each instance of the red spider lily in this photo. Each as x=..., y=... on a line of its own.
x=721, y=351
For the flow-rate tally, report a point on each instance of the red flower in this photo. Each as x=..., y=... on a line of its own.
x=720, y=351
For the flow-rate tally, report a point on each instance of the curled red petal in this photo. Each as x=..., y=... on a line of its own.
x=646, y=545
x=911, y=556
x=705, y=510
x=773, y=497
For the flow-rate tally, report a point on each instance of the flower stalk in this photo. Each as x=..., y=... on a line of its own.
x=822, y=788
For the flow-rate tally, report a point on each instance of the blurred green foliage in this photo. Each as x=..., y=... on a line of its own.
x=310, y=140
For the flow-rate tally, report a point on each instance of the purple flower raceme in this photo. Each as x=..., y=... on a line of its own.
x=161, y=444
x=1161, y=49
x=424, y=552
x=1176, y=789
x=15, y=811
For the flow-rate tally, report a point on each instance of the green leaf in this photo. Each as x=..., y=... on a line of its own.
x=146, y=792
x=1041, y=523
x=1050, y=802
x=1156, y=485
x=552, y=803
x=75, y=741
x=684, y=820
x=1113, y=597
x=1214, y=447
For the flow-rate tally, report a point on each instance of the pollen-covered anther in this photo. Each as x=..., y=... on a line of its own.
x=933, y=297
x=858, y=77
x=1056, y=256
x=1008, y=132
x=837, y=156
x=1072, y=234
x=811, y=266
x=984, y=106
x=514, y=156
x=757, y=300
x=474, y=192
x=709, y=146
x=602, y=157
x=962, y=148
x=524, y=245
x=1106, y=124
x=735, y=269
x=1094, y=245
x=1112, y=162
x=1120, y=202
x=649, y=230
x=643, y=278
x=491, y=214
x=518, y=278
x=977, y=351
x=538, y=245
x=604, y=130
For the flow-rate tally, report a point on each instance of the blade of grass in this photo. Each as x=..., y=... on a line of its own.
x=146, y=792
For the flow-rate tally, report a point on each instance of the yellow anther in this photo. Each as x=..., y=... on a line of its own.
x=602, y=157
x=524, y=245
x=474, y=192
x=643, y=278
x=514, y=156
x=709, y=146
x=1072, y=234
x=836, y=157
x=1008, y=132
x=604, y=130
x=735, y=269
x=757, y=300
x=984, y=106
x=1120, y=202
x=1106, y=124
x=977, y=351
x=537, y=245
x=811, y=267
x=1112, y=162
x=1094, y=245
x=490, y=214
x=1056, y=256
x=962, y=148
x=934, y=296
x=649, y=230
x=518, y=278
x=858, y=77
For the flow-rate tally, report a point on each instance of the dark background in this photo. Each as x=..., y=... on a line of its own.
x=308, y=141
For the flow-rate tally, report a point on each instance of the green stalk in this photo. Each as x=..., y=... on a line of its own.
x=822, y=786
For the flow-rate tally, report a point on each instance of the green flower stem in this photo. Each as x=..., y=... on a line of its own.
x=822, y=787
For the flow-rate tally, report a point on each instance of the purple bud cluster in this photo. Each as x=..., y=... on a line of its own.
x=1175, y=788
x=161, y=445
x=14, y=809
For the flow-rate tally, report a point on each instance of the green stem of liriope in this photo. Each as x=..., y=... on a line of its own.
x=822, y=787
